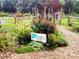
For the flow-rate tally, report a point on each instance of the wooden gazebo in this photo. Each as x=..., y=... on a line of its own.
x=54, y=6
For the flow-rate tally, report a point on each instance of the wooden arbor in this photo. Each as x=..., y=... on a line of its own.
x=57, y=10
x=51, y=8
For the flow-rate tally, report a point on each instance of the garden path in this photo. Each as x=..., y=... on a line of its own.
x=69, y=52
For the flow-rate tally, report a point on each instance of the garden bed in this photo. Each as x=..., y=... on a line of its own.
x=19, y=39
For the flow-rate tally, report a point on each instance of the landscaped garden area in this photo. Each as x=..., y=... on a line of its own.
x=39, y=29
x=19, y=40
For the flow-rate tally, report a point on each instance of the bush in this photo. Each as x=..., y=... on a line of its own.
x=24, y=49
x=3, y=41
x=52, y=40
x=8, y=41
x=43, y=27
x=33, y=46
x=56, y=39
x=61, y=42
x=23, y=31
x=36, y=45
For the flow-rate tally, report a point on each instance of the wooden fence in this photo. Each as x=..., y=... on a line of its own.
x=73, y=21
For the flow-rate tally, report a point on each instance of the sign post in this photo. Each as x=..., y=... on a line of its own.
x=39, y=37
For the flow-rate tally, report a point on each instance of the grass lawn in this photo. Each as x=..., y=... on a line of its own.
x=9, y=22
x=64, y=21
x=75, y=23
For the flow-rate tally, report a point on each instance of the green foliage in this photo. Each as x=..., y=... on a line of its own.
x=60, y=39
x=3, y=41
x=43, y=27
x=56, y=39
x=69, y=7
x=24, y=49
x=8, y=6
x=23, y=31
x=61, y=42
x=8, y=41
x=2, y=14
x=36, y=45
x=77, y=7
x=52, y=40
x=33, y=46
x=76, y=28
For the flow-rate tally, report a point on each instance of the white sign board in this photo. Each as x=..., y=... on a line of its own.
x=38, y=37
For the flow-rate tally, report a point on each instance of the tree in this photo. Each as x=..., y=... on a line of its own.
x=26, y=7
x=0, y=7
x=77, y=7
x=69, y=7
x=8, y=7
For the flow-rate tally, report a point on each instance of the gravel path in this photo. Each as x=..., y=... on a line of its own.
x=69, y=52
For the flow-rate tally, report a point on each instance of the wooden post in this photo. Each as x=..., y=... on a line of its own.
x=48, y=15
x=35, y=11
x=15, y=20
x=52, y=14
x=54, y=18
x=44, y=12
x=69, y=17
x=69, y=21
x=0, y=26
x=60, y=16
x=69, y=11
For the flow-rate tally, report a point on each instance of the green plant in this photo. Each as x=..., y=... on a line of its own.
x=8, y=41
x=24, y=49
x=3, y=41
x=43, y=27
x=61, y=42
x=36, y=45
x=23, y=31
x=60, y=39
x=76, y=28
x=33, y=46
x=52, y=40
x=57, y=39
x=5, y=14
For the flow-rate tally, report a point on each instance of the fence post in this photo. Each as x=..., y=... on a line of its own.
x=69, y=21
x=0, y=26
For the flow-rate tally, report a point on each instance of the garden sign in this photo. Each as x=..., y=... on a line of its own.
x=38, y=37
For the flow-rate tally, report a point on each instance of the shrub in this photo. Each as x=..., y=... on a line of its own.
x=23, y=31
x=36, y=45
x=56, y=39
x=3, y=41
x=52, y=40
x=61, y=42
x=33, y=46
x=8, y=41
x=43, y=27
x=24, y=49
